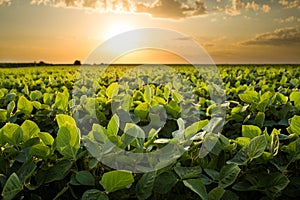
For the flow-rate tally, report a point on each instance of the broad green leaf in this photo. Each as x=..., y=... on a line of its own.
x=215, y=175
x=24, y=105
x=26, y=171
x=147, y=94
x=194, y=128
x=145, y=185
x=62, y=100
x=228, y=175
x=281, y=98
x=58, y=171
x=295, y=125
x=3, y=115
x=211, y=144
x=241, y=158
x=67, y=140
x=173, y=108
x=132, y=132
x=259, y=119
x=113, y=126
x=10, y=108
x=295, y=97
x=112, y=90
x=12, y=187
x=165, y=182
x=63, y=119
x=94, y=194
x=46, y=138
x=250, y=131
x=40, y=151
x=29, y=129
x=242, y=141
x=249, y=97
x=35, y=95
x=142, y=110
x=85, y=178
x=12, y=133
x=197, y=186
x=216, y=193
x=177, y=97
x=116, y=180
x=257, y=146
x=188, y=172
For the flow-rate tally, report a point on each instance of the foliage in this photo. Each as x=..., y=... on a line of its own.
x=49, y=118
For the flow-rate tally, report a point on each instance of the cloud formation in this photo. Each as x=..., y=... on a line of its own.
x=289, y=3
x=7, y=2
x=238, y=5
x=283, y=36
x=175, y=9
x=286, y=20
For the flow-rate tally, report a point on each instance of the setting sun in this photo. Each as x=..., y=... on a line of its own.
x=116, y=29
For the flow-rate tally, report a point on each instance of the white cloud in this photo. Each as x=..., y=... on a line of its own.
x=284, y=36
x=7, y=2
x=285, y=20
x=289, y=3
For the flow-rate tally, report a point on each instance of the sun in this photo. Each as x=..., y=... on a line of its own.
x=116, y=29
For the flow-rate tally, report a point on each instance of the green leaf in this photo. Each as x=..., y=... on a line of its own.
x=249, y=97
x=63, y=119
x=147, y=94
x=29, y=128
x=250, y=131
x=188, y=172
x=241, y=158
x=216, y=193
x=40, y=151
x=145, y=185
x=26, y=171
x=67, y=140
x=177, y=97
x=116, y=180
x=24, y=105
x=112, y=90
x=35, y=95
x=257, y=146
x=113, y=126
x=132, y=132
x=94, y=194
x=197, y=186
x=211, y=144
x=58, y=171
x=46, y=138
x=259, y=119
x=228, y=175
x=62, y=100
x=142, y=110
x=295, y=125
x=3, y=115
x=165, y=182
x=295, y=97
x=12, y=133
x=85, y=178
x=12, y=187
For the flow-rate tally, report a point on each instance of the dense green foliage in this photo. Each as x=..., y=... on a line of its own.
x=43, y=113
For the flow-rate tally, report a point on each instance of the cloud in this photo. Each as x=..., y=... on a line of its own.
x=175, y=9
x=285, y=20
x=237, y=6
x=283, y=36
x=5, y=2
x=289, y=3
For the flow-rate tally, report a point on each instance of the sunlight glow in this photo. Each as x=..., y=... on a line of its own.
x=116, y=29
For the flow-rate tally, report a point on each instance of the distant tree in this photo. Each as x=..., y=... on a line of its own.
x=77, y=62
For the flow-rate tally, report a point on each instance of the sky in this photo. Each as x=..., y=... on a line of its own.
x=230, y=31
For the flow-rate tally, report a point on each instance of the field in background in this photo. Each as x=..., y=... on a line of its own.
x=255, y=156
